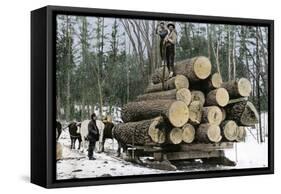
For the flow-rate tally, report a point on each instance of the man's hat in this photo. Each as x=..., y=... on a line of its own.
x=171, y=24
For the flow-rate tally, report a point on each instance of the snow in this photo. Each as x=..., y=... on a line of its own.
x=76, y=165
x=248, y=154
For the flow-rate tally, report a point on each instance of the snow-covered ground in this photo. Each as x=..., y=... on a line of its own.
x=76, y=165
x=248, y=154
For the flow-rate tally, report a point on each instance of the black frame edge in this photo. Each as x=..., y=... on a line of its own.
x=38, y=97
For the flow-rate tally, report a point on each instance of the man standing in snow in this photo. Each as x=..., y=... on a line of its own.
x=93, y=136
x=170, y=42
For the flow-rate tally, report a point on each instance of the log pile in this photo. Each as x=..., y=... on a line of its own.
x=195, y=106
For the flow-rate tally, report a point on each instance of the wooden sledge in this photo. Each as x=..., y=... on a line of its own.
x=212, y=153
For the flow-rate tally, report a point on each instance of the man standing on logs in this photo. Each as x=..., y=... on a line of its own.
x=170, y=42
x=162, y=31
x=93, y=136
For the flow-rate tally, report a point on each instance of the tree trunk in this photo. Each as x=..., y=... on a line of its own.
x=188, y=133
x=175, y=136
x=195, y=69
x=182, y=94
x=208, y=133
x=142, y=132
x=229, y=130
x=218, y=97
x=197, y=95
x=229, y=53
x=212, y=115
x=176, y=111
x=238, y=88
x=195, y=112
x=176, y=82
x=243, y=113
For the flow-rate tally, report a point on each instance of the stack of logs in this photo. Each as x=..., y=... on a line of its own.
x=195, y=106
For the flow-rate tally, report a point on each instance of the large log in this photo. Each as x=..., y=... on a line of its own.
x=143, y=132
x=214, y=81
x=175, y=136
x=229, y=130
x=188, y=133
x=195, y=112
x=243, y=113
x=182, y=94
x=195, y=69
x=207, y=133
x=162, y=95
x=218, y=97
x=176, y=111
x=238, y=88
x=212, y=115
x=197, y=95
x=177, y=82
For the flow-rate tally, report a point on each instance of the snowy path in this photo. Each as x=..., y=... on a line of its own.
x=76, y=165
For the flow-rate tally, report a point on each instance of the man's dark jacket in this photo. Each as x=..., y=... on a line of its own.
x=93, y=131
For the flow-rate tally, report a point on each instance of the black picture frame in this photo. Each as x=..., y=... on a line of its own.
x=43, y=115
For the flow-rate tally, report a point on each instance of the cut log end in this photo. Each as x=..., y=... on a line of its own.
x=214, y=133
x=244, y=87
x=208, y=133
x=250, y=115
x=216, y=80
x=178, y=113
x=197, y=95
x=230, y=130
x=157, y=135
x=212, y=115
x=175, y=136
x=181, y=82
x=202, y=67
x=222, y=97
x=188, y=133
x=195, y=112
x=218, y=97
x=184, y=95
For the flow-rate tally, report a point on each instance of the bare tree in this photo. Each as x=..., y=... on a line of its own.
x=216, y=37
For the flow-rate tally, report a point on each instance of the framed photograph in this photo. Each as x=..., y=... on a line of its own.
x=125, y=96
